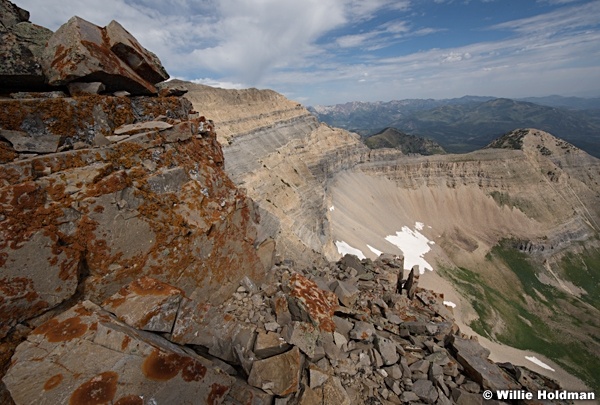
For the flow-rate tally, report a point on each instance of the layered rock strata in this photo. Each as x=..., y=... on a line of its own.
x=284, y=158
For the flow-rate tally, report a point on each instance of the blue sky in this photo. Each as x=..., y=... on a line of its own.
x=334, y=51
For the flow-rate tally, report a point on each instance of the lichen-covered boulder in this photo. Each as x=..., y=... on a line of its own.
x=82, y=51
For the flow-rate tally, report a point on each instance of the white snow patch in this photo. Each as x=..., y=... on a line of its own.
x=331, y=208
x=419, y=226
x=540, y=363
x=372, y=249
x=413, y=245
x=345, y=249
x=450, y=304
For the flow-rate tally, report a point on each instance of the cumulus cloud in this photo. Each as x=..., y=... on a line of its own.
x=455, y=57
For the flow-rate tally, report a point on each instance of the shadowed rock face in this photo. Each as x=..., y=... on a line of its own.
x=21, y=46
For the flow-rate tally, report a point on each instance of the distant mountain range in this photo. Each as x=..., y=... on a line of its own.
x=468, y=123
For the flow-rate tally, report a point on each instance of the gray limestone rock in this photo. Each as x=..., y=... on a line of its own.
x=343, y=326
x=145, y=63
x=146, y=304
x=131, y=129
x=316, y=376
x=24, y=142
x=278, y=375
x=37, y=274
x=387, y=348
x=410, y=285
x=334, y=393
x=353, y=262
x=242, y=393
x=302, y=335
x=394, y=371
x=425, y=391
x=421, y=366
x=21, y=46
x=346, y=293
x=80, y=51
x=279, y=304
x=168, y=180
x=461, y=397
x=474, y=358
x=363, y=331
x=269, y=344
x=409, y=396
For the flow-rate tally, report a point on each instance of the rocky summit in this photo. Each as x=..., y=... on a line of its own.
x=133, y=270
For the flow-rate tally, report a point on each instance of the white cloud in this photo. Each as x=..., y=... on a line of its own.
x=455, y=57
x=217, y=83
x=562, y=19
x=351, y=41
x=313, y=50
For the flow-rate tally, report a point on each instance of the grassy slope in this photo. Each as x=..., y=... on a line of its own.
x=539, y=317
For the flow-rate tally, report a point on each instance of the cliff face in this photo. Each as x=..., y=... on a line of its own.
x=283, y=157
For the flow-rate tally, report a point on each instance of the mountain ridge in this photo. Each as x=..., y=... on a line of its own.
x=469, y=123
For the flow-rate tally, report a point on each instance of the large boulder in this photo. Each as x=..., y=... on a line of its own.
x=474, y=358
x=128, y=49
x=21, y=46
x=82, y=51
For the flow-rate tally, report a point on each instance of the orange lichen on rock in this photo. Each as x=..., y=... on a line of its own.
x=217, y=391
x=62, y=331
x=53, y=382
x=151, y=286
x=101, y=389
x=130, y=400
x=160, y=366
x=320, y=305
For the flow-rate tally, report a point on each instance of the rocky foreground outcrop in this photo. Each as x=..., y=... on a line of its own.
x=347, y=333
x=21, y=46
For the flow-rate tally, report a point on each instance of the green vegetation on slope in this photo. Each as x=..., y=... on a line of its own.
x=535, y=316
x=583, y=270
